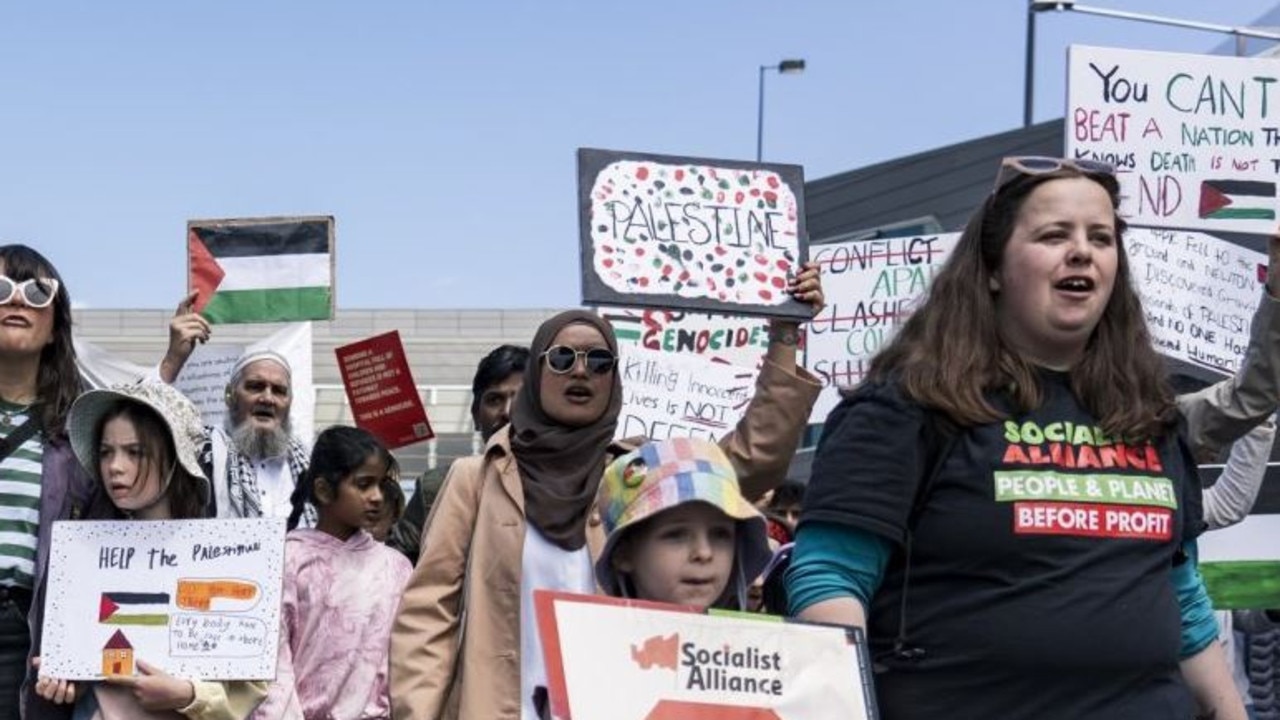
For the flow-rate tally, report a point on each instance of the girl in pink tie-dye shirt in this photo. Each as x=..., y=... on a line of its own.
x=341, y=588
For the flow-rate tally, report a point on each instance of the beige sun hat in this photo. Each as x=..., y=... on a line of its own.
x=179, y=415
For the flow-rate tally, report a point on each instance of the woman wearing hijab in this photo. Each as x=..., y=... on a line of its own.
x=521, y=517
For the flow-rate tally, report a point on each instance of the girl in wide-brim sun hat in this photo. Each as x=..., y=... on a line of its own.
x=169, y=431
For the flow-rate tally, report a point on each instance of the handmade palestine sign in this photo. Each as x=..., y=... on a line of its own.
x=628, y=659
x=690, y=233
x=199, y=599
x=1194, y=137
x=381, y=391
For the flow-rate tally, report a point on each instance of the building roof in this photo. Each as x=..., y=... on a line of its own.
x=118, y=642
x=947, y=183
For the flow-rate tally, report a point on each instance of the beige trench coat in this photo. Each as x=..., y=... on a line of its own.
x=447, y=662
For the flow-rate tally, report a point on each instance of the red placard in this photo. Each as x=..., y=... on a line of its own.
x=380, y=389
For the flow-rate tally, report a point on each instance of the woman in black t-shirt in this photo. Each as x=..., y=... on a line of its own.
x=1005, y=505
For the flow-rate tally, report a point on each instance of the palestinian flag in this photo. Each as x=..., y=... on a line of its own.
x=1237, y=200
x=262, y=270
x=131, y=608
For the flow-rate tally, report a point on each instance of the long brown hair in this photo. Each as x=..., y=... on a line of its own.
x=58, y=381
x=950, y=354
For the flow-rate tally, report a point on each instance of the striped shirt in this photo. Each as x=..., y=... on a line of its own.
x=19, y=502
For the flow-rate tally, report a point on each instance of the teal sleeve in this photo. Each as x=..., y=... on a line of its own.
x=832, y=560
x=1199, y=626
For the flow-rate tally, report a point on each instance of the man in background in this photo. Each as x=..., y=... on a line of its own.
x=498, y=378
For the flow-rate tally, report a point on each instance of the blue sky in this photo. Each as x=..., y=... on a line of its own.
x=442, y=135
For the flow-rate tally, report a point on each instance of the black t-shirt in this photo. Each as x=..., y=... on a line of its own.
x=1040, y=577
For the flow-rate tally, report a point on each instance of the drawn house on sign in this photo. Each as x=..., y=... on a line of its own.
x=117, y=655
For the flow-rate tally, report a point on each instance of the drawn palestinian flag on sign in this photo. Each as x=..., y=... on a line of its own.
x=132, y=608
x=1237, y=200
x=262, y=270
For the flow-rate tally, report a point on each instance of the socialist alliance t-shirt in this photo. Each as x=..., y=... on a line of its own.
x=1040, y=576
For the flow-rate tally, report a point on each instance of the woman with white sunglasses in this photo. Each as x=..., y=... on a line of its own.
x=41, y=480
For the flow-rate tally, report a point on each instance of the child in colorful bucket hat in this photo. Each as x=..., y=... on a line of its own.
x=679, y=529
x=168, y=430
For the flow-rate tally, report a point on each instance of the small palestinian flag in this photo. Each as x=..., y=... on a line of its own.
x=132, y=608
x=262, y=270
x=1237, y=200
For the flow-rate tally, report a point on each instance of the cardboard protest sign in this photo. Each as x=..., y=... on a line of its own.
x=258, y=270
x=198, y=598
x=665, y=395
x=1192, y=135
x=667, y=662
x=871, y=287
x=1198, y=293
x=733, y=339
x=381, y=391
x=690, y=233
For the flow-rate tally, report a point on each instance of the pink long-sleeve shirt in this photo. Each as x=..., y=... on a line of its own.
x=340, y=599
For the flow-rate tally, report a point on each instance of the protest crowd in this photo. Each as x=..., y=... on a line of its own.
x=1008, y=507
x=1028, y=365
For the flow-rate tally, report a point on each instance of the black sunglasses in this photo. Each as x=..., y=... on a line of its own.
x=36, y=292
x=561, y=359
x=1012, y=167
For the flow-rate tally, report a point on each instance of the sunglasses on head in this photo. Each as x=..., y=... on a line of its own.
x=36, y=292
x=1012, y=167
x=561, y=359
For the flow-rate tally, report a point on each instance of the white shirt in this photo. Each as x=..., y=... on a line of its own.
x=275, y=486
x=544, y=566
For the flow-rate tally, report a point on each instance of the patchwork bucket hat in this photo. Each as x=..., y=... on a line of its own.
x=658, y=476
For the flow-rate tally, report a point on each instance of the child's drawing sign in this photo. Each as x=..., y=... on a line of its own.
x=691, y=233
x=199, y=599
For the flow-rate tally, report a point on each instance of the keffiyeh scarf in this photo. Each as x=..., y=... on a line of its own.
x=243, y=494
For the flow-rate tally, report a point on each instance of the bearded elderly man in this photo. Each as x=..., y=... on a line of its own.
x=254, y=461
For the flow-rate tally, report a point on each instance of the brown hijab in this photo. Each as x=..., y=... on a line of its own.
x=561, y=467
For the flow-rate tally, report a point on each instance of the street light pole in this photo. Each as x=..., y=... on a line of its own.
x=1029, y=79
x=760, y=117
x=1237, y=30
x=786, y=67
